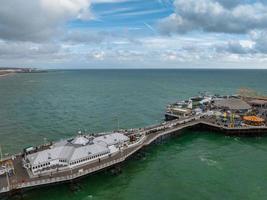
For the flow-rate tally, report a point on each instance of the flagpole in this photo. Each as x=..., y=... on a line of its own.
x=8, y=183
x=118, y=123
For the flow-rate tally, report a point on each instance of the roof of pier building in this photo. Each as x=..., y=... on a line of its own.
x=111, y=139
x=258, y=102
x=88, y=150
x=59, y=152
x=78, y=148
x=232, y=104
x=80, y=140
x=180, y=110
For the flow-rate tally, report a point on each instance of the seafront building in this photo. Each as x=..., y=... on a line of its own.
x=227, y=111
x=71, y=153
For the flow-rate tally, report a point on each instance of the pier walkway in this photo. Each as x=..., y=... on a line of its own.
x=22, y=180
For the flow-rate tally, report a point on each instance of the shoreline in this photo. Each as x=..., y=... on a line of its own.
x=6, y=74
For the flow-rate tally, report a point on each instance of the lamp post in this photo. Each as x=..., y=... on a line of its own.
x=45, y=140
x=118, y=123
x=7, y=177
x=1, y=154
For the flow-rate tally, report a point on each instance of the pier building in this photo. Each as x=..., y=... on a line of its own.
x=74, y=152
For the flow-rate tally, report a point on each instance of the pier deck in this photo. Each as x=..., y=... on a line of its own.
x=22, y=180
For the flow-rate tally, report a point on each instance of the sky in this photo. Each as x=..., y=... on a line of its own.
x=75, y=34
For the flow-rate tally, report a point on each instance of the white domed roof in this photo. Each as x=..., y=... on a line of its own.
x=81, y=140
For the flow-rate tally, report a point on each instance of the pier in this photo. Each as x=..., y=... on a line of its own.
x=22, y=181
x=74, y=158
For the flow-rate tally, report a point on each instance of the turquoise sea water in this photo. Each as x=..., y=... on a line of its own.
x=197, y=165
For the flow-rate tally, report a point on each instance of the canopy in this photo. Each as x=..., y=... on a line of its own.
x=253, y=119
x=81, y=140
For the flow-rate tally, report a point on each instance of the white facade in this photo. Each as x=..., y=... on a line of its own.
x=111, y=139
x=75, y=152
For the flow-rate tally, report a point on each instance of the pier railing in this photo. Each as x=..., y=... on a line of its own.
x=64, y=178
x=4, y=189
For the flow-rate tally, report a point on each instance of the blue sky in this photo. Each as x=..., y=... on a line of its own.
x=126, y=14
x=134, y=33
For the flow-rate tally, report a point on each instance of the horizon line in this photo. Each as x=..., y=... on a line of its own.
x=133, y=68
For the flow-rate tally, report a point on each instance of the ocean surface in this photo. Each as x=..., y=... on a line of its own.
x=41, y=107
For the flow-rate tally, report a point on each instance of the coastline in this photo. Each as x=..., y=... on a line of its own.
x=5, y=74
x=9, y=71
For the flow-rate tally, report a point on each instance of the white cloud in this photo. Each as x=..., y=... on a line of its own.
x=66, y=8
x=33, y=32
x=35, y=20
x=97, y=55
x=257, y=44
x=84, y=37
x=32, y=54
x=218, y=16
x=260, y=39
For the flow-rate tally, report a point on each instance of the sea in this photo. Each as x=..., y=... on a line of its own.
x=40, y=107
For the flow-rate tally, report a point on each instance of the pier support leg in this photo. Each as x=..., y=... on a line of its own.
x=74, y=186
x=116, y=170
x=15, y=194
